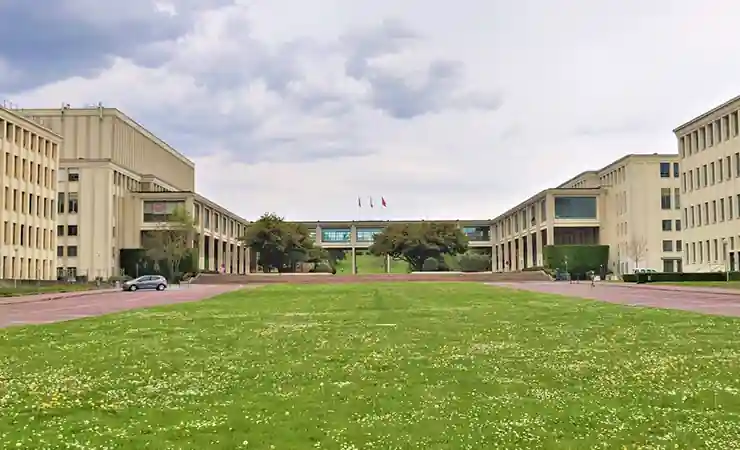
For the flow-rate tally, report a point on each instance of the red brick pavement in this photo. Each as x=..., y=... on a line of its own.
x=703, y=300
x=75, y=307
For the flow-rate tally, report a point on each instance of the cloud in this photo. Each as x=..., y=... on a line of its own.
x=458, y=110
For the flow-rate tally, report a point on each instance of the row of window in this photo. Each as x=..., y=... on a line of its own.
x=712, y=212
x=522, y=219
x=712, y=173
x=71, y=230
x=665, y=170
x=27, y=236
x=27, y=170
x=668, y=246
x=17, y=200
x=27, y=140
x=25, y=268
x=668, y=225
x=720, y=130
x=71, y=251
x=227, y=224
x=670, y=198
x=68, y=202
x=708, y=251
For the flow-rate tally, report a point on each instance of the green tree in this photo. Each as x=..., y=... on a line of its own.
x=279, y=244
x=415, y=242
x=171, y=241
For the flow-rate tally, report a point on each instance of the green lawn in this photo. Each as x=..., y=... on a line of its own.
x=394, y=366
x=8, y=290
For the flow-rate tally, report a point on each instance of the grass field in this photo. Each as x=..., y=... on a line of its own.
x=8, y=290
x=404, y=366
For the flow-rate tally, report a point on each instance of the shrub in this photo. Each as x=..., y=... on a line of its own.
x=473, y=262
x=430, y=265
x=323, y=267
x=580, y=258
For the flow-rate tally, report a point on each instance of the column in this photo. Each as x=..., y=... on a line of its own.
x=506, y=256
x=234, y=258
x=526, y=250
x=540, y=257
x=201, y=251
x=211, y=253
x=354, y=261
x=227, y=257
x=247, y=256
x=387, y=263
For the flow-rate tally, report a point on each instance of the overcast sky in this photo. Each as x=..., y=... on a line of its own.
x=448, y=109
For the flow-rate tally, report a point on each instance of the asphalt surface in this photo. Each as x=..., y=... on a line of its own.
x=40, y=309
x=716, y=301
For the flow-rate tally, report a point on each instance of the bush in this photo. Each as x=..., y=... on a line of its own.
x=677, y=277
x=430, y=265
x=580, y=258
x=474, y=262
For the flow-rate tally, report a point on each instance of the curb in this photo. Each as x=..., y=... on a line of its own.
x=21, y=301
x=700, y=290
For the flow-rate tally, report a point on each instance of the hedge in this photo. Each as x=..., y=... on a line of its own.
x=581, y=258
x=677, y=277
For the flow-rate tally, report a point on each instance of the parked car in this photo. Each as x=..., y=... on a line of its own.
x=157, y=282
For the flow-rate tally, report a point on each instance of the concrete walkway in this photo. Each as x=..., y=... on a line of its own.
x=688, y=298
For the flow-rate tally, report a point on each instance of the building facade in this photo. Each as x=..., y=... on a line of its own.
x=709, y=150
x=632, y=205
x=29, y=165
x=114, y=177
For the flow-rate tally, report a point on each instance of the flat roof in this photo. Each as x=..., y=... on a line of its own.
x=10, y=114
x=707, y=114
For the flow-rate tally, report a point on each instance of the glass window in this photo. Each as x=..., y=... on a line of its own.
x=675, y=170
x=667, y=225
x=367, y=234
x=665, y=198
x=665, y=170
x=479, y=234
x=667, y=246
x=575, y=207
x=335, y=235
x=159, y=211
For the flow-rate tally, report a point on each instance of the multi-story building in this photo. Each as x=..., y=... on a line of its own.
x=709, y=149
x=632, y=205
x=29, y=163
x=118, y=180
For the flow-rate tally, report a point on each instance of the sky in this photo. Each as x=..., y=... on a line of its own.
x=447, y=110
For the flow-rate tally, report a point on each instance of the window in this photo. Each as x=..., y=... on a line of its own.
x=714, y=211
x=72, y=251
x=705, y=174
x=675, y=170
x=667, y=246
x=667, y=265
x=365, y=234
x=73, y=176
x=665, y=198
x=728, y=171
x=60, y=250
x=722, y=210
x=60, y=230
x=737, y=164
x=665, y=170
x=60, y=202
x=72, y=230
x=575, y=208
x=730, y=209
x=677, y=198
x=72, y=202
x=678, y=225
x=712, y=173
x=477, y=234
x=679, y=244
x=667, y=225
x=335, y=235
x=157, y=212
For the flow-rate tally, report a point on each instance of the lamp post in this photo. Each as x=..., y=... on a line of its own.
x=726, y=258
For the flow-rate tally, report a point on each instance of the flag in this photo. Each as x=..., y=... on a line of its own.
x=359, y=202
x=382, y=202
x=371, y=203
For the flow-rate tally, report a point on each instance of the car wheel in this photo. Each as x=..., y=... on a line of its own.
x=160, y=287
x=133, y=288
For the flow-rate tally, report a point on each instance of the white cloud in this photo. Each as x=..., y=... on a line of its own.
x=297, y=100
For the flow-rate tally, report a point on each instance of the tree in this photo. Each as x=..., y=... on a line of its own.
x=415, y=242
x=280, y=244
x=171, y=241
x=636, y=249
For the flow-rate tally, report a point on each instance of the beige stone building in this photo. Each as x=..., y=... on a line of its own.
x=632, y=205
x=116, y=180
x=29, y=163
x=709, y=149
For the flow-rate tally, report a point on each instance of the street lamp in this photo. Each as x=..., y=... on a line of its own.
x=726, y=258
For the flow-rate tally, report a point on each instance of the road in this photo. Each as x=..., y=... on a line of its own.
x=71, y=306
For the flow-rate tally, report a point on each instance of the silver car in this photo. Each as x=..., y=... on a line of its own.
x=157, y=282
